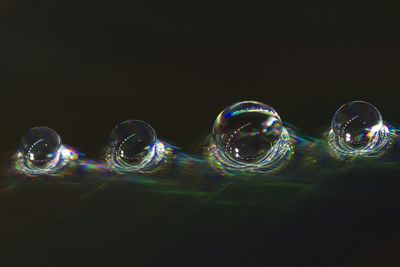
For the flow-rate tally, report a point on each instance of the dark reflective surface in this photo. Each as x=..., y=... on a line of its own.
x=346, y=219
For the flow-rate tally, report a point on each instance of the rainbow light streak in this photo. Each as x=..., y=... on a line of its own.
x=93, y=166
x=238, y=112
x=60, y=166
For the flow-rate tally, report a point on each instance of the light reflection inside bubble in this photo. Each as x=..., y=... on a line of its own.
x=249, y=137
x=312, y=158
x=358, y=130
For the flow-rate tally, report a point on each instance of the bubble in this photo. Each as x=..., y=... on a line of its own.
x=41, y=147
x=249, y=134
x=358, y=128
x=133, y=146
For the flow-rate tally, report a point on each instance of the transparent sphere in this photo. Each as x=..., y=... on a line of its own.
x=246, y=131
x=357, y=124
x=40, y=146
x=131, y=141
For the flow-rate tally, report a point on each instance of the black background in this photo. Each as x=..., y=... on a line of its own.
x=81, y=67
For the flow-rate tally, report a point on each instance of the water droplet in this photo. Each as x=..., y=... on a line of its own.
x=247, y=131
x=41, y=147
x=357, y=124
x=358, y=128
x=132, y=141
x=249, y=134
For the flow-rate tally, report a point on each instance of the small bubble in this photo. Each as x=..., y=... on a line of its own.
x=41, y=147
x=358, y=129
x=357, y=124
x=133, y=146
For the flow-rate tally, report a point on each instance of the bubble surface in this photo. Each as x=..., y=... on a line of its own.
x=357, y=124
x=131, y=141
x=247, y=131
x=249, y=134
x=133, y=146
x=358, y=128
x=41, y=147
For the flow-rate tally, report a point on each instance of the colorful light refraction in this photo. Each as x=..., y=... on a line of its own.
x=358, y=129
x=133, y=147
x=41, y=153
x=249, y=136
